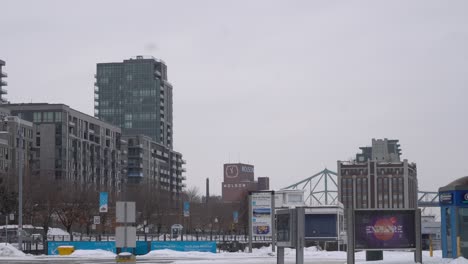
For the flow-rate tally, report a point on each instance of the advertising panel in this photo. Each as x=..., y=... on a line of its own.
x=261, y=213
x=103, y=201
x=283, y=227
x=321, y=226
x=385, y=229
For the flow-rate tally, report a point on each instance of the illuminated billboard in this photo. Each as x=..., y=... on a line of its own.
x=385, y=229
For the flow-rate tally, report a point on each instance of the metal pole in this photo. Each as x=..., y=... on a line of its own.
x=300, y=219
x=6, y=229
x=418, y=252
x=350, y=234
x=326, y=188
x=273, y=222
x=250, y=223
x=280, y=256
x=20, y=187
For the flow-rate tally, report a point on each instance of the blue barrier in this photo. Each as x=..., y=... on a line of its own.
x=104, y=245
x=201, y=246
x=141, y=246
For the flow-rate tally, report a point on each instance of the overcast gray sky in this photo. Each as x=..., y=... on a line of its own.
x=288, y=86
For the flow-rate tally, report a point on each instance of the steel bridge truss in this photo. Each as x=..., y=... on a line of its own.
x=322, y=189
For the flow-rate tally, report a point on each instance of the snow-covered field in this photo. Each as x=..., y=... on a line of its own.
x=259, y=256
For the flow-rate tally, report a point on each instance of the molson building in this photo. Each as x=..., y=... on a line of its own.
x=239, y=180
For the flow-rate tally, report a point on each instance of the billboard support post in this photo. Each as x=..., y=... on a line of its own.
x=250, y=224
x=418, y=252
x=273, y=223
x=280, y=256
x=350, y=234
x=300, y=219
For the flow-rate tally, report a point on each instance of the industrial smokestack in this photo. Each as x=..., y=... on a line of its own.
x=207, y=189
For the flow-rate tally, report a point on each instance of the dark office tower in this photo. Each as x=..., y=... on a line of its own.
x=136, y=96
x=2, y=83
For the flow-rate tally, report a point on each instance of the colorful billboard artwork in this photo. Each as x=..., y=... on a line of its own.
x=262, y=212
x=262, y=230
x=385, y=229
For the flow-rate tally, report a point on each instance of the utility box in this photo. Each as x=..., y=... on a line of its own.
x=290, y=233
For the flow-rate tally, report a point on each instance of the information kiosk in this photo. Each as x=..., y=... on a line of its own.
x=453, y=200
x=290, y=233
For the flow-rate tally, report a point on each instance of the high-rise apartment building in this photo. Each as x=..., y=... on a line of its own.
x=136, y=96
x=2, y=83
x=377, y=178
x=70, y=145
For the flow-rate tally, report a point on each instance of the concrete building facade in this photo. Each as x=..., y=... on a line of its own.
x=150, y=162
x=3, y=83
x=70, y=145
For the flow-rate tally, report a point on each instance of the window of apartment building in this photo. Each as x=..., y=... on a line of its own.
x=37, y=117
x=58, y=116
x=48, y=117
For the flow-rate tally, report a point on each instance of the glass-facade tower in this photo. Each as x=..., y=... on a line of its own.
x=136, y=96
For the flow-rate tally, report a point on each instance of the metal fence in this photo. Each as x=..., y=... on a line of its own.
x=38, y=247
x=164, y=237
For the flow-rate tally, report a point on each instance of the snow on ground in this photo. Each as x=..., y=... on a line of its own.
x=258, y=256
x=7, y=250
x=97, y=253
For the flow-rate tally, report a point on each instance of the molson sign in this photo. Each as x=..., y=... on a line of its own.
x=238, y=172
x=385, y=229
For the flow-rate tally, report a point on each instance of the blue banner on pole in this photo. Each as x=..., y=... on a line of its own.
x=235, y=216
x=186, y=209
x=103, y=202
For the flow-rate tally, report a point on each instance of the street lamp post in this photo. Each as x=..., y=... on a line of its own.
x=20, y=186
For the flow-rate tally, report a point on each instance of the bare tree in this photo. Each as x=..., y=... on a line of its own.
x=70, y=208
x=192, y=195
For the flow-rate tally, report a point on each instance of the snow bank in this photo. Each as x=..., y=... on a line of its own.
x=53, y=231
x=167, y=253
x=95, y=253
x=460, y=260
x=7, y=250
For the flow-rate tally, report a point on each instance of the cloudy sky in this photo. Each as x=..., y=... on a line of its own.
x=288, y=86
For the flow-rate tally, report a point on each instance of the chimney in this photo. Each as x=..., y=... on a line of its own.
x=207, y=189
